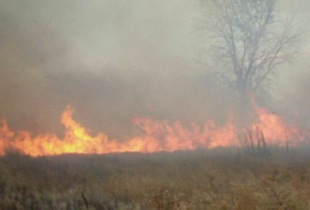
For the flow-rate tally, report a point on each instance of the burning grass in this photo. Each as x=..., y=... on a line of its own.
x=156, y=136
x=212, y=179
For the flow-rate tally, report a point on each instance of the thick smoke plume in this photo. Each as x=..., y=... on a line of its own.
x=114, y=61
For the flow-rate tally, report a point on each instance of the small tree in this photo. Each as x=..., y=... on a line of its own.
x=249, y=41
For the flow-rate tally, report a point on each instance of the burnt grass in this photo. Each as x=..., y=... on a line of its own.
x=203, y=179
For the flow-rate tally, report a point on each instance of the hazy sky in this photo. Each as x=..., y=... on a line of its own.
x=113, y=60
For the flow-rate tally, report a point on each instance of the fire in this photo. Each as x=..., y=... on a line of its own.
x=161, y=136
x=158, y=136
x=275, y=130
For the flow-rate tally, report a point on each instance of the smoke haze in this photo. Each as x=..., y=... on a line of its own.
x=115, y=60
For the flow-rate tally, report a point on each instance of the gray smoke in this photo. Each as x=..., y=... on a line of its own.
x=112, y=60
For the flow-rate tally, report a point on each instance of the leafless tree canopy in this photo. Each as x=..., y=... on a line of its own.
x=250, y=41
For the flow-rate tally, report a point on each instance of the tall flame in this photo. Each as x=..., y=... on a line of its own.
x=158, y=136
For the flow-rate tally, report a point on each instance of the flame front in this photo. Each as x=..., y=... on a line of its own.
x=158, y=136
x=275, y=130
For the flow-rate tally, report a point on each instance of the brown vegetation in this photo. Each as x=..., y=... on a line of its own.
x=214, y=179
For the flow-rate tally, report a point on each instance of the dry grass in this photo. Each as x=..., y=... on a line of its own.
x=222, y=179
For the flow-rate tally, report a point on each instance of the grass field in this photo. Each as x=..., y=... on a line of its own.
x=213, y=179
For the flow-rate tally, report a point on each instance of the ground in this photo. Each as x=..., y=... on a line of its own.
x=202, y=179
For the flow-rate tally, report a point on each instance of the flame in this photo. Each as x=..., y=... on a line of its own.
x=275, y=130
x=158, y=136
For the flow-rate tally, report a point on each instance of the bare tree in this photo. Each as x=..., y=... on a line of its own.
x=249, y=41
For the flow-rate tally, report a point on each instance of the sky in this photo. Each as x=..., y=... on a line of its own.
x=116, y=60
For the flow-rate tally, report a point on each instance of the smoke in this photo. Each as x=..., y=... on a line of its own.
x=112, y=60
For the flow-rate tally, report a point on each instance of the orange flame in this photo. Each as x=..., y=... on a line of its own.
x=275, y=130
x=159, y=136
